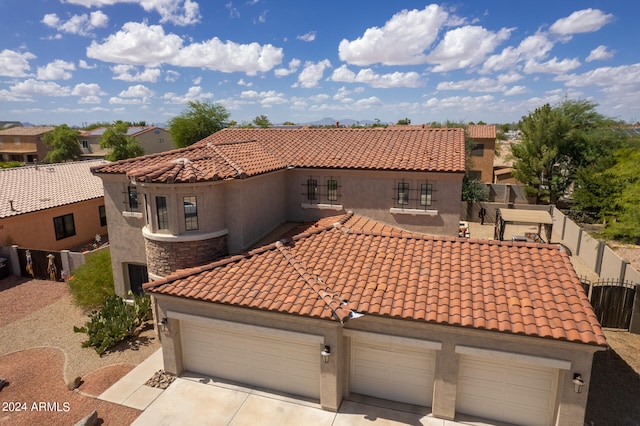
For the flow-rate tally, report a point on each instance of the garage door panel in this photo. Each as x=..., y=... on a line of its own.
x=284, y=365
x=507, y=391
x=398, y=373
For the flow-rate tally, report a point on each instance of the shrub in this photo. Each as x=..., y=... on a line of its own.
x=10, y=164
x=116, y=321
x=93, y=282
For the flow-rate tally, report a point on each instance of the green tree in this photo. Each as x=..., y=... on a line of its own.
x=556, y=141
x=288, y=123
x=198, y=121
x=404, y=121
x=64, y=143
x=122, y=146
x=262, y=121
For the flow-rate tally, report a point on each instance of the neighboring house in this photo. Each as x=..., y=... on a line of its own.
x=220, y=196
x=152, y=139
x=503, y=164
x=496, y=330
x=358, y=301
x=484, y=137
x=24, y=144
x=51, y=207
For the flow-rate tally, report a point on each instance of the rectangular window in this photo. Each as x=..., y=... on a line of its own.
x=103, y=215
x=190, y=213
x=312, y=189
x=160, y=140
x=332, y=190
x=478, y=150
x=85, y=144
x=475, y=174
x=162, y=213
x=16, y=140
x=425, y=194
x=403, y=193
x=64, y=226
x=133, y=198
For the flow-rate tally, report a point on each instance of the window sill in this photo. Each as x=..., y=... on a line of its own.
x=132, y=214
x=322, y=206
x=413, y=212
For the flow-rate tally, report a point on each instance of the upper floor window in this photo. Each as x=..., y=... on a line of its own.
x=474, y=174
x=85, y=144
x=103, y=215
x=478, y=150
x=132, y=198
x=425, y=194
x=162, y=213
x=403, y=193
x=160, y=140
x=16, y=139
x=64, y=226
x=312, y=189
x=190, y=213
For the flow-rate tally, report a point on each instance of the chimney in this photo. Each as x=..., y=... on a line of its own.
x=337, y=124
x=35, y=162
x=11, y=205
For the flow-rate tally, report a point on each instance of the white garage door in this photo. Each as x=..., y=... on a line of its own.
x=272, y=362
x=507, y=391
x=389, y=371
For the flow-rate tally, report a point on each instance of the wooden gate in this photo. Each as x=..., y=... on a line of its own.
x=612, y=301
x=35, y=264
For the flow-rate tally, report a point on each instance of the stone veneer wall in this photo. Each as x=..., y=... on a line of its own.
x=164, y=257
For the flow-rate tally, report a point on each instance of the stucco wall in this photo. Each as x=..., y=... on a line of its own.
x=373, y=194
x=484, y=164
x=36, y=230
x=335, y=375
x=152, y=142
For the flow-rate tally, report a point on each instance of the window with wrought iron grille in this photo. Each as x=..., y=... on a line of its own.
x=322, y=190
x=413, y=195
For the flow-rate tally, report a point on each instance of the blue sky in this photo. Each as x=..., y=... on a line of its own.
x=82, y=61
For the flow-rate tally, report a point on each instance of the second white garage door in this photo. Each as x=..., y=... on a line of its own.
x=389, y=371
x=508, y=391
x=286, y=365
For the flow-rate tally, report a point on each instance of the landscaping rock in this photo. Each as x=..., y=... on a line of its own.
x=90, y=420
x=161, y=380
x=73, y=384
x=3, y=383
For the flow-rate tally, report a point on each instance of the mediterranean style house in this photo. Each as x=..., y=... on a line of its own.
x=24, y=144
x=51, y=206
x=152, y=139
x=324, y=264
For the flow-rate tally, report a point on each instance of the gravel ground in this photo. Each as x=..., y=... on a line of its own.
x=39, y=353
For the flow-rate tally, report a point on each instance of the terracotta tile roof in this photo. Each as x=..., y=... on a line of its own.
x=51, y=185
x=254, y=151
x=330, y=273
x=26, y=131
x=482, y=131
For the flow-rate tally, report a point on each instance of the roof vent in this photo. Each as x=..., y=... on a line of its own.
x=182, y=160
x=11, y=205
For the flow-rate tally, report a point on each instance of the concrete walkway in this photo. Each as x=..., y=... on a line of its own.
x=195, y=399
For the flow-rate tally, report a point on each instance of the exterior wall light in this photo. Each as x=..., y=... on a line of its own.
x=578, y=383
x=163, y=325
x=326, y=353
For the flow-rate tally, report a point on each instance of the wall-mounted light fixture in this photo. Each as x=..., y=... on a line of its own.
x=163, y=325
x=326, y=353
x=578, y=383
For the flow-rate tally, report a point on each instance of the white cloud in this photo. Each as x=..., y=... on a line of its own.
x=15, y=64
x=85, y=66
x=33, y=87
x=624, y=75
x=137, y=91
x=171, y=75
x=464, y=47
x=553, y=66
x=233, y=12
x=241, y=82
x=474, y=85
x=600, y=53
x=148, y=45
x=581, y=21
x=194, y=93
x=131, y=74
x=312, y=73
x=82, y=24
x=56, y=70
x=310, y=36
x=401, y=41
x=459, y=104
x=516, y=90
x=89, y=93
x=368, y=76
x=532, y=48
x=294, y=64
x=178, y=12
x=197, y=81
x=263, y=16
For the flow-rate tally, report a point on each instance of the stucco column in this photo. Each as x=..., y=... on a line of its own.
x=572, y=406
x=330, y=386
x=445, y=383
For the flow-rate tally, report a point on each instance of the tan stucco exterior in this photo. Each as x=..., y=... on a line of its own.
x=484, y=163
x=152, y=140
x=36, y=230
x=569, y=408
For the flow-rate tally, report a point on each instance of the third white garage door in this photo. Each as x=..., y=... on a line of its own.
x=269, y=361
x=394, y=372
x=507, y=391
